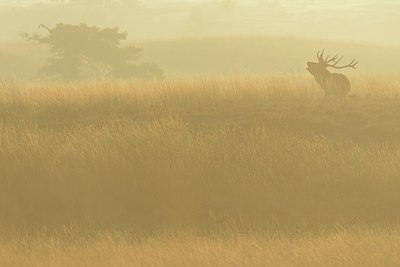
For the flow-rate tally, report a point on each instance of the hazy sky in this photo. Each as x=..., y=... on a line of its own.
x=372, y=21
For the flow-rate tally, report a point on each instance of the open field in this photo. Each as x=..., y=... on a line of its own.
x=125, y=160
x=196, y=152
x=227, y=153
x=358, y=247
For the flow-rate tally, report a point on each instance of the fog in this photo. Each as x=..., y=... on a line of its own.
x=344, y=26
x=369, y=21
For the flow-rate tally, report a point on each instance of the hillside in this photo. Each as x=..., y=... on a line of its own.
x=193, y=57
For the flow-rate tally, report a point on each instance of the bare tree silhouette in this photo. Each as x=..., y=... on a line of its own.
x=334, y=84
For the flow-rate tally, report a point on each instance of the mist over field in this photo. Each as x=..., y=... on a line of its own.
x=189, y=38
x=199, y=133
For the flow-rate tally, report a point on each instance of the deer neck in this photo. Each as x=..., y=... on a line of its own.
x=323, y=76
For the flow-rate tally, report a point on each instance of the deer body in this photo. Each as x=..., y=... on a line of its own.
x=333, y=84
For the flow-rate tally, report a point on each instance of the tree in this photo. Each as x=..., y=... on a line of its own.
x=81, y=51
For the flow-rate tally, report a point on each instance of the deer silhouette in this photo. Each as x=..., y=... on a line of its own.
x=333, y=84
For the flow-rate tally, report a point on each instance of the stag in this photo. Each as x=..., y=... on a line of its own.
x=333, y=84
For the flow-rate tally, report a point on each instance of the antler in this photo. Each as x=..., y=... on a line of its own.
x=320, y=56
x=335, y=59
x=352, y=64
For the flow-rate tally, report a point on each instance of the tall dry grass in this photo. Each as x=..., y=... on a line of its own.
x=355, y=247
x=198, y=153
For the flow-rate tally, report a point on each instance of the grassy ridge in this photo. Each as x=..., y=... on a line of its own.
x=150, y=155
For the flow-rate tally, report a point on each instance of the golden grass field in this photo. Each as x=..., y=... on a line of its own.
x=178, y=172
x=357, y=247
